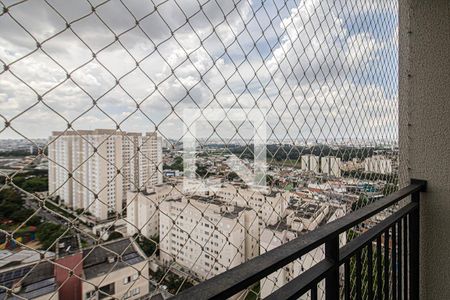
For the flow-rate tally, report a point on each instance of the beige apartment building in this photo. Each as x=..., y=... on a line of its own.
x=205, y=235
x=114, y=270
x=270, y=206
x=119, y=269
x=331, y=165
x=143, y=209
x=93, y=169
x=378, y=164
x=144, y=157
x=143, y=206
x=310, y=163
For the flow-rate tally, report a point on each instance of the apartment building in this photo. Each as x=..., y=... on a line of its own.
x=143, y=157
x=119, y=269
x=331, y=166
x=378, y=164
x=206, y=235
x=269, y=205
x=94, y=169
x=310, y=163
x=303, y=216
x=143, y=206
x=143, y=209
x=114, y=270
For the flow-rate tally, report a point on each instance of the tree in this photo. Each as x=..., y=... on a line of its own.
x=11, y=208
x=176, y=165
x=35, y=184
x=11, y=202
x=362, y=201
x=202, y=171
x=269, y=180
x=148, y=245
x=11, y=195
x=253, y=293
x=47, y=233
x=34, y=221
x=389, y=188
x=232, y=176
x=7, y=209
x=21, y=215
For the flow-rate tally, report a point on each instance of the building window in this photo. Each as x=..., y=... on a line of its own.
x=107, y=291
x=91, y=295
x=136, y=291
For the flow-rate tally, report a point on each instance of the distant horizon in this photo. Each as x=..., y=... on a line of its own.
x=355, y=143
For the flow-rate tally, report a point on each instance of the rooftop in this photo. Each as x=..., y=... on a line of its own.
x=38, y=280
x=103, y=259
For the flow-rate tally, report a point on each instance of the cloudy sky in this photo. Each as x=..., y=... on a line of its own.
x=319, y=69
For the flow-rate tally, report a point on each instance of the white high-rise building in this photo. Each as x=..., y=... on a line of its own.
x=205, y=235
x=143, y=157
x=310, y=163
x=331, y=165
x=93, y=169
x=378, y=164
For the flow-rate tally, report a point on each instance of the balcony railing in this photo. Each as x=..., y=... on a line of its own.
x=387, y=254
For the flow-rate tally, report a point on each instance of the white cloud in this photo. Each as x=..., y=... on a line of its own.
x=319, y=69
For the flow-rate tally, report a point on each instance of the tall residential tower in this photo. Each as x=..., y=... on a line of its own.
x=94, y=169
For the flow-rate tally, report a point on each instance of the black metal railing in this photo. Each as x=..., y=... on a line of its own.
x=359, y=269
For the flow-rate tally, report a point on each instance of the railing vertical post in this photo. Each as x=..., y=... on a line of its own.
x=414, y=243
x=414, y=246
x=332, y=279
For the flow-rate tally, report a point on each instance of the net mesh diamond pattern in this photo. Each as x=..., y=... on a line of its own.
x=169, y=141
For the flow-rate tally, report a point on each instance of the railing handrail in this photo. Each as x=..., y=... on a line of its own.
x=306, y=280
x=234, y=280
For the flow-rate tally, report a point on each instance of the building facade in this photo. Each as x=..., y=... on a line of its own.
x=310, y=163
x=378, y=164
x=270, y=206
x=93, y=170
x=303, y=216
x=331, y=166
x=143, y=209
x=206, y=236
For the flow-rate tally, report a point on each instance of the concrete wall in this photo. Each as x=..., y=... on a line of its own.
x=425, y=130
x=69, y=286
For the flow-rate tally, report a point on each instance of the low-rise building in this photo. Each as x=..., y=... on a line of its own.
x=113, y=270
x=304, y=216
x=117, y=270
x=31, y=281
